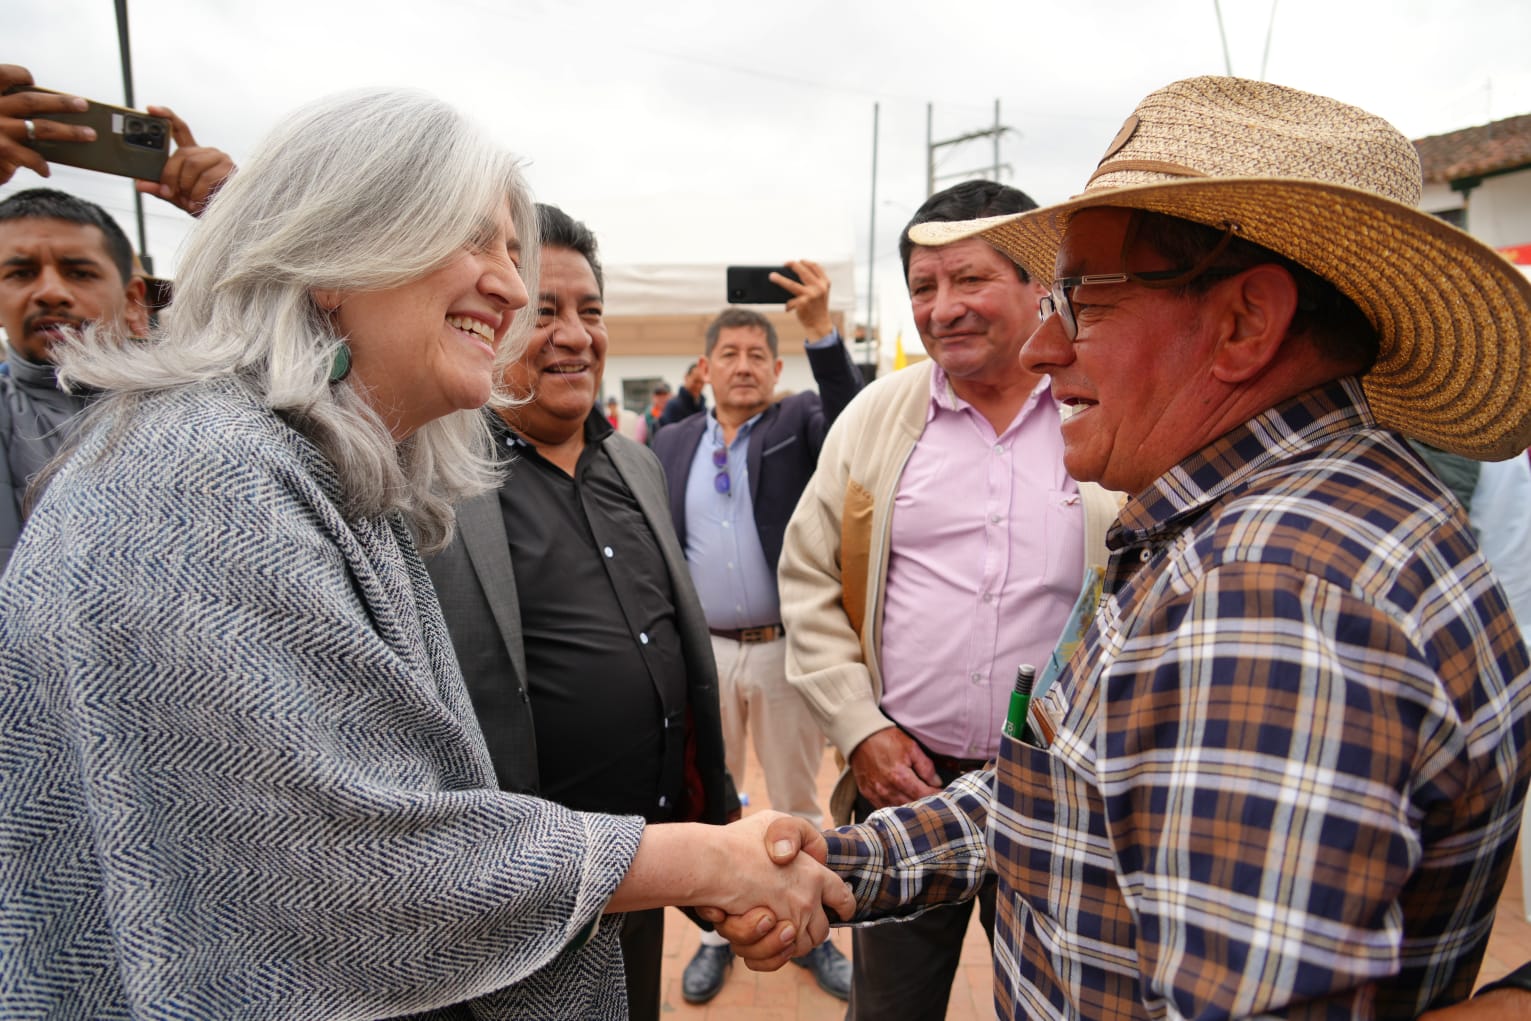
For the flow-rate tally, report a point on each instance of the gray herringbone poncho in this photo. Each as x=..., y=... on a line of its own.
x=239, y=773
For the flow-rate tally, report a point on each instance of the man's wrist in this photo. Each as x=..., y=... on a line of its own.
x=822, y=339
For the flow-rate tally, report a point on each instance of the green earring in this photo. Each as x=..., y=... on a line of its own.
x=340, y=368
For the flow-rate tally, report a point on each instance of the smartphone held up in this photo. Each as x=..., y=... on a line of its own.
x=129, y=143
x=752, y=285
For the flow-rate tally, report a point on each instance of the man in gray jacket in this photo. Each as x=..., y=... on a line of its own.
x=64, y=264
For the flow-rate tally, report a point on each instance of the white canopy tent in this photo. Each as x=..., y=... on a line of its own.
x=665, y=277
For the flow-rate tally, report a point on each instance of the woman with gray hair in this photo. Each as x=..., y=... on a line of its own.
x=242, y=777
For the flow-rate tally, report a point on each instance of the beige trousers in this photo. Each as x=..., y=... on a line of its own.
x=754, y=695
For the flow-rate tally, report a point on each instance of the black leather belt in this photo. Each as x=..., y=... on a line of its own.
x=949, y=766
x=752, y=635
x=946, y=765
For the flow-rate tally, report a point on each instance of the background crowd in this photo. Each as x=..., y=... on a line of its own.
x=359, y=659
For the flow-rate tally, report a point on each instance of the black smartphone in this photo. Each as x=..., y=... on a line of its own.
x=129, y=143
x=751, y=285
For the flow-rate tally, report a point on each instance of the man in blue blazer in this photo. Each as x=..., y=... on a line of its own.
x=734, y=478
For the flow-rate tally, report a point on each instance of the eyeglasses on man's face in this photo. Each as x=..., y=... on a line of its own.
x=1060, y=297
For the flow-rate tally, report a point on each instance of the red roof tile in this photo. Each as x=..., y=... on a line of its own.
x=1472, y=152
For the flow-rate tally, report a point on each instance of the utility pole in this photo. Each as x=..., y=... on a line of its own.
x=127, y=92
x=931, y=145
x=998, y=130
x=875, y=348
x=1222, y=34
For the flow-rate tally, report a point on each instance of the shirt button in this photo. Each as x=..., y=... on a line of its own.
x=977, y=678
x=993, y=519
x=643, y=636
x=988, y=597
x=663, y=801
x=607, y=550
x=998, y=449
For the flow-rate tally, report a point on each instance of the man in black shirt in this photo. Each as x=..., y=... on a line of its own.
x=570, y=605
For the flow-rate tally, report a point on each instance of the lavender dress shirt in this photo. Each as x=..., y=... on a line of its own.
x=987, y=548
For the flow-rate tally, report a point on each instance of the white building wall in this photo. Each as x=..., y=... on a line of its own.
x=1438, y=197
x=1499, y=210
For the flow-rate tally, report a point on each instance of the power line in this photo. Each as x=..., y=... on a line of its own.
x=932, y=146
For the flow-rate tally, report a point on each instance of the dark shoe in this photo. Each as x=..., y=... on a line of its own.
x=831, y=970
x=704, y=976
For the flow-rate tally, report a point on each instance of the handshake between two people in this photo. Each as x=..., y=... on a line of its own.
x=761, y=881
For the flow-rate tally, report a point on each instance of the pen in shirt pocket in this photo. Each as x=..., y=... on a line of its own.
x=1028, y=721
x=1041, y=728
x=1020, y=702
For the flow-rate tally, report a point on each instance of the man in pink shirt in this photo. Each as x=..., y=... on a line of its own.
x=939, y=545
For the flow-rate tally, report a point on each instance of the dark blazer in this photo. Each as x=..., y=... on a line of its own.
x=477, y=588
x=681, y=406
x=783, y=448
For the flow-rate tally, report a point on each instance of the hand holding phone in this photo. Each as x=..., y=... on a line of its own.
x=26, y=116
x=810, y=298
x=116, y=140
x=801, y=285
x=126, y=142
x=192, y=173
x=752, y=285
x=38, y=125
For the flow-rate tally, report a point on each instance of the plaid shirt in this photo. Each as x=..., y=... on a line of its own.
x=1288, y=768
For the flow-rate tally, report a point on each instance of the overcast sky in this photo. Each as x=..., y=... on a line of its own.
x=656, y=101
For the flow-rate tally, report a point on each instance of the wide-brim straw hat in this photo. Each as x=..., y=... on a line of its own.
x=1334, y=189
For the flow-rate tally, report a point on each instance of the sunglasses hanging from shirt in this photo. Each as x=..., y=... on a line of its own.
x=720, y=481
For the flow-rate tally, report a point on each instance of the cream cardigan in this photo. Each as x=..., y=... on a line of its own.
x=834, y=565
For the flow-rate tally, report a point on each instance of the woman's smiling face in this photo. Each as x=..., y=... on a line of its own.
x=423, y=349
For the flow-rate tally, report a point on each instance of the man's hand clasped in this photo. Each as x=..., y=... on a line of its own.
x=763, y=936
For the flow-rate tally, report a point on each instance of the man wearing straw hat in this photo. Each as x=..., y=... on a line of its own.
x=1284, y=772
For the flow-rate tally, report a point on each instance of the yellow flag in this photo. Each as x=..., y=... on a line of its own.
x=899, y=360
